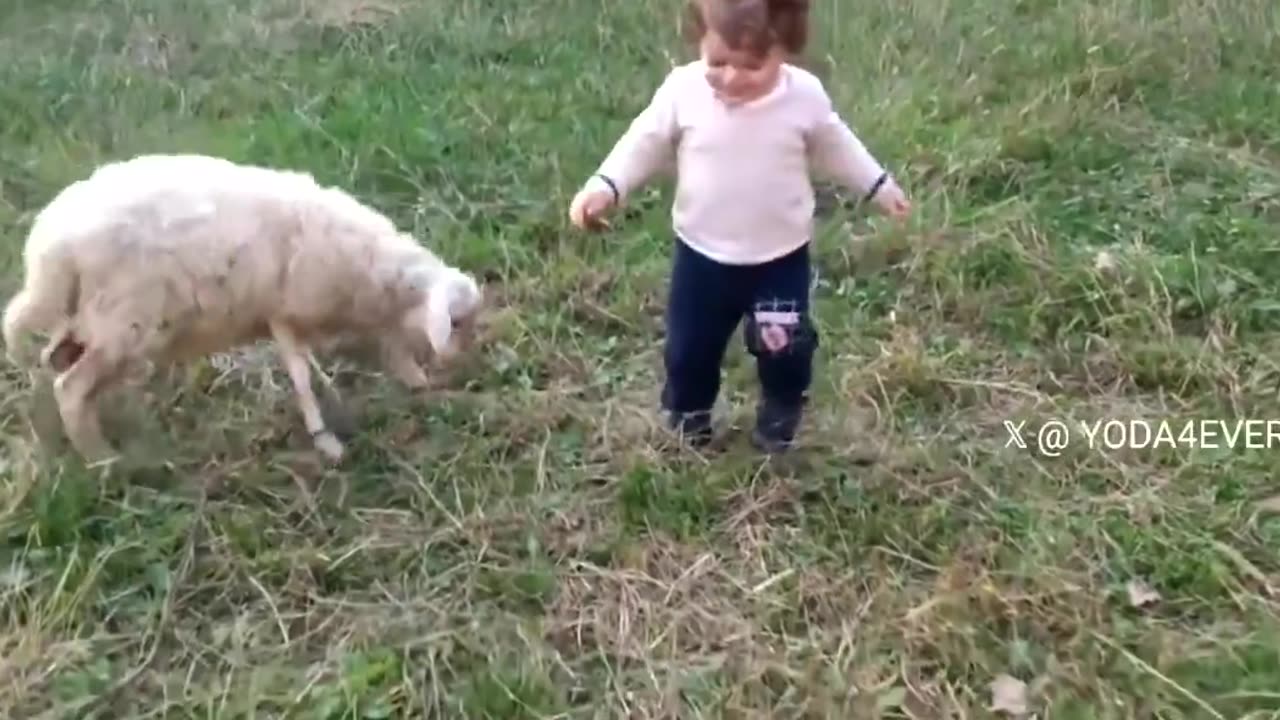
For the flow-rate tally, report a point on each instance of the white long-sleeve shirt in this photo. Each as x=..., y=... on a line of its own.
x=743, y=189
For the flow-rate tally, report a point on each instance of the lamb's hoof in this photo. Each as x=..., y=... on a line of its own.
x=337, y=417
x=418, y=383
x=329, y=446
x=411, y=375
x=102, y=459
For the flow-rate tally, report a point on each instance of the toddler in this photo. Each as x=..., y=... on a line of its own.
x=744, y=127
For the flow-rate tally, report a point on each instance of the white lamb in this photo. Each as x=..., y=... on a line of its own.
x=166, y=258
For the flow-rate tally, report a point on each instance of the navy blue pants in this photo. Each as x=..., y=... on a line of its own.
x=707, y=301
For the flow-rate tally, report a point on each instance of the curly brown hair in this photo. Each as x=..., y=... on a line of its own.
x=754, y=26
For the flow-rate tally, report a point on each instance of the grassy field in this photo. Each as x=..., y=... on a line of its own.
x=1098, y=194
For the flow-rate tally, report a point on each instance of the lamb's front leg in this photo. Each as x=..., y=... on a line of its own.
x=294, y=357
x=398, y=360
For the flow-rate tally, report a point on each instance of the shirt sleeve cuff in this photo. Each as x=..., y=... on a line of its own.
x=600, y=182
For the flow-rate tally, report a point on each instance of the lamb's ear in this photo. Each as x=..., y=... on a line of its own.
x=439, y=321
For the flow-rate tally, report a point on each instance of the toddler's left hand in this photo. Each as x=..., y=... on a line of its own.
x=892, y=201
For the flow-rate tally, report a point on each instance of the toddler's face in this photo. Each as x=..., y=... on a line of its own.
x=737, y=75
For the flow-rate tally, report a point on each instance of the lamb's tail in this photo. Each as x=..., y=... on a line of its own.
x=44, y=305
x=48, y=299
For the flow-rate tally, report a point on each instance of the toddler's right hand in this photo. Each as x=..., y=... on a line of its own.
x=892, y=201
x=588, y=208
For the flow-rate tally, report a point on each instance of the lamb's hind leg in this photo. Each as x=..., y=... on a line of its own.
x=76, y=391
x=294, y=357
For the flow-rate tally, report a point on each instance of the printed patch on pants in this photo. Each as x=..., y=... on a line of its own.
x=775, y=326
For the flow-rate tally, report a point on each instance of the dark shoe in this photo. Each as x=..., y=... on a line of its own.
x=693, y=428
x=776, y=424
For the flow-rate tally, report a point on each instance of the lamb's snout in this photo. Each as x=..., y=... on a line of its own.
x=463, y=299
x=465, y=331
x=462, y=339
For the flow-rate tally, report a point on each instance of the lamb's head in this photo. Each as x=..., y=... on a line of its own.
x=447, y=313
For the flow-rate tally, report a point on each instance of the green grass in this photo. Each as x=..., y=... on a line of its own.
x=522, y=544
